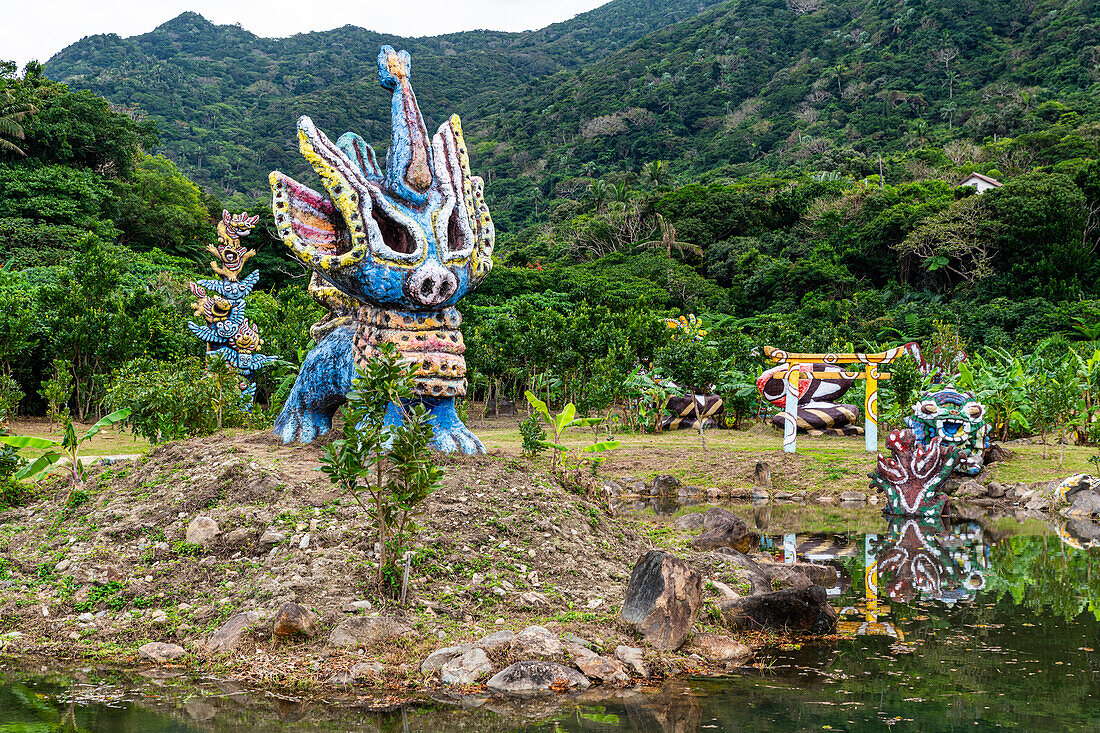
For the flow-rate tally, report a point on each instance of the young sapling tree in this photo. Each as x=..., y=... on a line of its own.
x=386, y=469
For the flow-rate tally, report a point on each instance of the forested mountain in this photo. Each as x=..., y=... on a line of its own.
x=744, y=86
x=226, y=100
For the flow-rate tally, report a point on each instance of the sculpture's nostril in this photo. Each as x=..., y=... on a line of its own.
x=426, y=287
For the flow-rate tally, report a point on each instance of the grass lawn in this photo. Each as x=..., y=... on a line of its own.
x=822, y=465
x=111, y=441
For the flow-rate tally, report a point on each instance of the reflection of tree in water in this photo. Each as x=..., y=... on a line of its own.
x=1046, y=575
x=24, y=711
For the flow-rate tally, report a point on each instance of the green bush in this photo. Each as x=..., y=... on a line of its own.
x=10, y=395
x=57, y=390
x=172, y=401
x=534, y=436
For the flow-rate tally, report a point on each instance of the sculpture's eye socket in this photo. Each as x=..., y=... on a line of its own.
x=455, y=240
x=974, y=410
x=394, y=234
x=928, y=407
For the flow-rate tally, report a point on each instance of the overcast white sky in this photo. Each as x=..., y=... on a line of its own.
x=37, y=29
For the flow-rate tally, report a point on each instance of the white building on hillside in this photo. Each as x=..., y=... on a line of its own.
x=980, y=182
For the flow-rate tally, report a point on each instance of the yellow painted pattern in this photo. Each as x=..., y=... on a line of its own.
x=346, y=200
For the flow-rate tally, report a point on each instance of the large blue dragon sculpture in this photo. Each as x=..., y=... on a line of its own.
x=391, y=253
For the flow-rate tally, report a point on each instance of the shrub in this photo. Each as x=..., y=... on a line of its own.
x=10, y=395
x=172, y=401
x=534, y=436
x=57, y=390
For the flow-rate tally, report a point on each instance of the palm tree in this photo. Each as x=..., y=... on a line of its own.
x=656, y=171
x=948, y=113
x=668, y=240
x=600, y=193
x=921, y=127
x=622, y=192
x=11, y=114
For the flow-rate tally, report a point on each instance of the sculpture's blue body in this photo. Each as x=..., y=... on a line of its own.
x=394, y=253
x=324, y=380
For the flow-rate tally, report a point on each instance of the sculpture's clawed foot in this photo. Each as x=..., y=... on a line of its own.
x=451, y=434
x=458, y=438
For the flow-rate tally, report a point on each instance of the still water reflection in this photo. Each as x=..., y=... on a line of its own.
x=952, y=626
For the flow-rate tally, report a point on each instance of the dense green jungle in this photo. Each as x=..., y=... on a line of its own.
x=785, y=169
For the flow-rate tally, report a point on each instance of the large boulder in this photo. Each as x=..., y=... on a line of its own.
x=723, y=528
x=362, y=631
x=536, y=642
x=717, y=517
x=664, y=485
x=804, y=609
x=292, y=619
x=690, y=521
x=466, y=669
x=663, y=598
x=747, y=570
x=228, y=636
x=608, y=671
x=533, y=677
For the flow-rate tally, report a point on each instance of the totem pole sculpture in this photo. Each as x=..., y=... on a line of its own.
x=957, y=419
x=912, y=478
x=227, y=333
x=392, y=252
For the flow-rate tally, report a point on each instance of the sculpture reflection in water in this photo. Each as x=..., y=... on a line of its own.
x=919, y=558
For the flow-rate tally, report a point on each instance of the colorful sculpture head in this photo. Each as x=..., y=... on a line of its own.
x=230, y=252
x=958, y=420
x=211, y=307
x=413, y=239
x=239, y=225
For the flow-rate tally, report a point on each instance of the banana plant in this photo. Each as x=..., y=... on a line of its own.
x=61, y=455
x=1001, y=383
x=561, y=422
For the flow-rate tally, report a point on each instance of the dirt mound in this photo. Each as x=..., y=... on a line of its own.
x=501, y=542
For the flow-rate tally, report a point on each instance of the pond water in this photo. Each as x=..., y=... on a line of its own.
x=963, y=625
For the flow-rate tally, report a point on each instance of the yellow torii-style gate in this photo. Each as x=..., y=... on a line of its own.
x=869, y=372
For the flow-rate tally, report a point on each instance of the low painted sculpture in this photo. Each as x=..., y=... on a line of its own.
x=220, y=303
x=911, y=479
x=392, y=253
x=692, y=412
x=819, y=411
x=956, y=419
